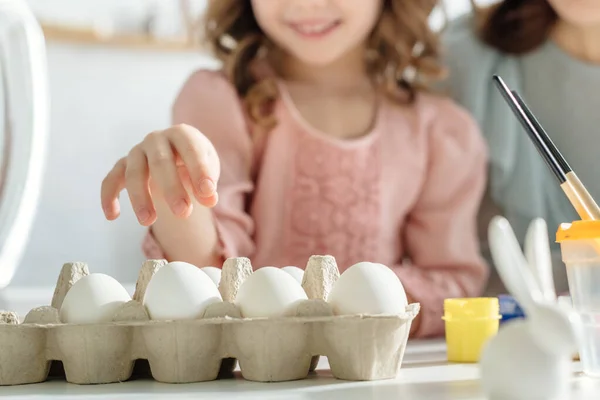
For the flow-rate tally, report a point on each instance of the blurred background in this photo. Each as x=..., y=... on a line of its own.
x=115, y=67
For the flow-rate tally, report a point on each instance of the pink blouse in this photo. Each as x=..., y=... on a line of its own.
x=405, y=195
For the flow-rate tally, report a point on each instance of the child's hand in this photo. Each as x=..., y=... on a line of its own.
x=174, y=164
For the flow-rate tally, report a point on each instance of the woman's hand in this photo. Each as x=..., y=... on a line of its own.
x=176, y=163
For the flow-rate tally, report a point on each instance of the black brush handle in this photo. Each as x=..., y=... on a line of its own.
x=543, y=134
x=535, y=136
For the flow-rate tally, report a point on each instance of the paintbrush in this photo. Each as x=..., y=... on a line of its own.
x=571, y=185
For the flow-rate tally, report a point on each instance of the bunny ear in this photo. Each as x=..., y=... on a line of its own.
x=511, y=264
x=537, y=251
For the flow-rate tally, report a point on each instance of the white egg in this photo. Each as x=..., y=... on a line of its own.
x=213, y=273
x=268, y=292
x=368, y=288
x=92, y=299
x=296, y=272
x=179, y=290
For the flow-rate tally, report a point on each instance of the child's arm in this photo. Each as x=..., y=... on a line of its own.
x=166, y=177
x=441, y=231
x=209, y=103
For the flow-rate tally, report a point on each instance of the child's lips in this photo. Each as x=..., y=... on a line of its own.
x=314, y=29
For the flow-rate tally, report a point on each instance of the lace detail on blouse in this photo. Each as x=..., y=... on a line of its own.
x=334, y=201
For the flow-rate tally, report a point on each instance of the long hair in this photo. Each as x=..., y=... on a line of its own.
x=516, y=26
x=401, y=42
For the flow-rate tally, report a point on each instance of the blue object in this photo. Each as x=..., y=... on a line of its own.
x=509, y=308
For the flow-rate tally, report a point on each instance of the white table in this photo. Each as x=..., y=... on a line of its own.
x=425, y=375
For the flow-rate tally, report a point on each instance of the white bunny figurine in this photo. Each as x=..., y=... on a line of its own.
x=528, y=359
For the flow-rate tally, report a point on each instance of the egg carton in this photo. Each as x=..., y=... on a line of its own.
x=358, y=347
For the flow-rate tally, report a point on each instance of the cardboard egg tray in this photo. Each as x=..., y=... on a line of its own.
x=358, y=347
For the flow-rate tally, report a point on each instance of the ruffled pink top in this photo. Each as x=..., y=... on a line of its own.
x=405, y=195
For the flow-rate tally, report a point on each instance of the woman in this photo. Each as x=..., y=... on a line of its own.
x=549, y=51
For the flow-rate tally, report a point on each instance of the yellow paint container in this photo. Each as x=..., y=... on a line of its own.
x=470, y=323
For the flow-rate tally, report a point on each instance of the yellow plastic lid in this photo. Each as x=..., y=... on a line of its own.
x=578, y=230
x=472, y=308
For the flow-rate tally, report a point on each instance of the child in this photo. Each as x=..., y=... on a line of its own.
x=549, y=51
x=313, y=140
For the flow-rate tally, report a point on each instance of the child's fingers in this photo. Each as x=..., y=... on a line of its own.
x=136, y=182
x=111, y=187
x=200, y=160
x=211, y=201
x=161, y=162
x=184, y=176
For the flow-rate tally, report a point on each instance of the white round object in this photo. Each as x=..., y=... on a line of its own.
x=92, y=299
x=295, y=272
x=179, y=290
x=213, y=273
x=368, y=288
x=268, y=292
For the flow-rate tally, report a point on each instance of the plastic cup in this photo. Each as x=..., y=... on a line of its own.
x=566, y=303
x=470, y=323
x=580, y=249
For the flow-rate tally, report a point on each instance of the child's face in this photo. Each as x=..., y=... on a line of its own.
x=582, y=13
x=317, y=32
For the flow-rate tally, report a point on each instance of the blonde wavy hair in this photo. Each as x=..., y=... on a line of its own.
x=404, y=54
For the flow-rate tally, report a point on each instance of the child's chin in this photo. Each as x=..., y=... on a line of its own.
x=318, y=58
